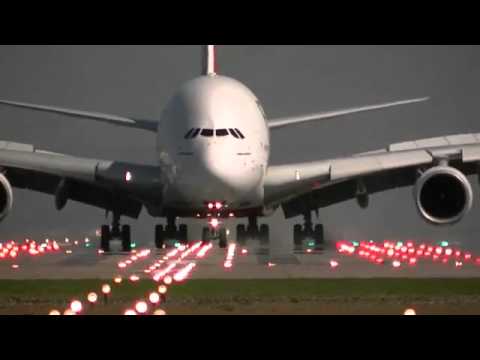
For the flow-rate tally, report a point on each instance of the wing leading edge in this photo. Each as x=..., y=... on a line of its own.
x=324, y=183
x=149, y=125
x=295, y=120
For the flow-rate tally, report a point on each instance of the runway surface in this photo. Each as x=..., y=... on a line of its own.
x=79, y=262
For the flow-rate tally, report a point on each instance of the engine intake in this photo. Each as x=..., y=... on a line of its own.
x=6, y=197
x=443, y=195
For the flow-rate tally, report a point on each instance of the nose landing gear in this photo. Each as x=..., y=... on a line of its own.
x=210, y=233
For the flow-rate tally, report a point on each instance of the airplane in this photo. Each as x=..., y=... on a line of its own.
x=213, y=149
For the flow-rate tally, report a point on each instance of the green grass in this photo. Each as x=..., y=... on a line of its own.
x=63, y=290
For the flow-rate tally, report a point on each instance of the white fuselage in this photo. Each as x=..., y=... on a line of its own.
x=208, y=168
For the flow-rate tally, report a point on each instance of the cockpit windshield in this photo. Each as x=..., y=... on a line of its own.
x=193, y=133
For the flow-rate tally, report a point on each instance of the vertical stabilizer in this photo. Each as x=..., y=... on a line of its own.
x=209, y=66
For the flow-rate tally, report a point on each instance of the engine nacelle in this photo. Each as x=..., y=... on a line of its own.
x=6, y=197
x=443, y=195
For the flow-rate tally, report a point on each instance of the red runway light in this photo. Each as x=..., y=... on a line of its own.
x=412, y=261
x=396, y=264
x=333, y=264
x=168, y=280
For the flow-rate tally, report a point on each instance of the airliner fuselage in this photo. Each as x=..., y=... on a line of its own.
x=213, y=141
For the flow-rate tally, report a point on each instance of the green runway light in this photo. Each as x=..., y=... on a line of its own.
x=134, y=245
x=356, y=244
x=444, y=244
x=311, y=243
x=400, y=243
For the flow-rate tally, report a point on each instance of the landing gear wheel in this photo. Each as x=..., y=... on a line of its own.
x=105, y=238
x=264, y=234
x=318, y=235
x=223, y=239
x=183, y=234
x=297, y=235
x=241, y=234
x=126, y=238
x=159, y=236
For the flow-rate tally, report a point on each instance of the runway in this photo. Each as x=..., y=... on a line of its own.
x=249, y=262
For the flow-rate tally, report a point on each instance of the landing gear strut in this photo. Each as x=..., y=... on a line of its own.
x=308, y=232
x=170, y=232
x=116, y=231
x=253, y=232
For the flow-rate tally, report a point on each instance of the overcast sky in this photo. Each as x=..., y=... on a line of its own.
x=289, y=80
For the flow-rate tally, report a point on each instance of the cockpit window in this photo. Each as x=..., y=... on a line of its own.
x=221, y=132
x=207, y=132
x=234, y=134
x=239, y=133
x=189, y=133
x=195, y=133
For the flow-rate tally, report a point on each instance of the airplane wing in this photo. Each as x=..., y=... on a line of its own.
x=295, y=120
x=149, y=125
x=99, y=183
x=310, y=186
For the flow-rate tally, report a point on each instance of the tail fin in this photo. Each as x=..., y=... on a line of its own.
x=209, y=66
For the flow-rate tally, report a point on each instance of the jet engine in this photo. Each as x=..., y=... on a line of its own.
x=6, y=197
x=443, y=195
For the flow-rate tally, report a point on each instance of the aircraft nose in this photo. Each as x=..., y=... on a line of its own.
x=231, y=174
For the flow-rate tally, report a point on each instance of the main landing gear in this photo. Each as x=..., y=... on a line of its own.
x=170, y=232
x=253, y=232
x=308, y=232
x=116, y=231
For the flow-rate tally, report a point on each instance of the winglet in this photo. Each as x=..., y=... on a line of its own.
x=209, y=66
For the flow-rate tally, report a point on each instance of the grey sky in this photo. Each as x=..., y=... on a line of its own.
x=138, y=80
